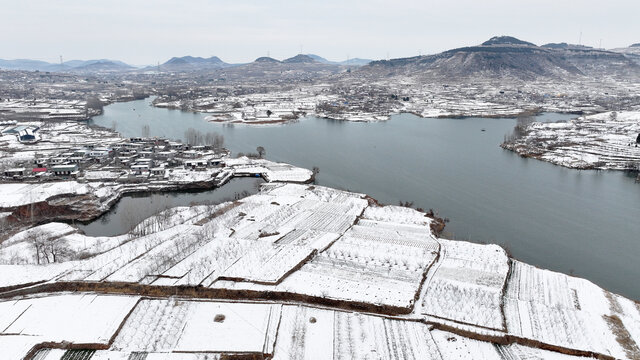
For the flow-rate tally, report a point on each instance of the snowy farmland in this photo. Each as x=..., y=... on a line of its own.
x=301, y=272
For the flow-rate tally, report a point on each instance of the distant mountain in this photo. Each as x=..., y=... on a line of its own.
x=506, y=56
x=593, y=61
x=266, y=59
x=299, y=67
x=300, y=58
x=88, y=66
x=319, y=58
x=597, y=62
x=632, y=52
x=191, y=63
x=506, y=40
x=502, y=56
x=23, y=64
x=356, y=62
x=561, y=46
x=102, y=66
x=351, y=62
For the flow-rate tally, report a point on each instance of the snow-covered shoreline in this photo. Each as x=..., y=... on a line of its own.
x=349, y=99
x=605, y=141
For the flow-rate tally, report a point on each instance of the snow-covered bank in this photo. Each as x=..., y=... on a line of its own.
x=602, y=141
x=24, y=204
x=368, y=100
x=310, y=272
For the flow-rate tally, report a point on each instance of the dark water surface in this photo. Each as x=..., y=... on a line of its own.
x=584, y=222
x=133, y=208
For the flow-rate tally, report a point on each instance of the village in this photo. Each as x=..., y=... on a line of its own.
x=70, y=171
x=132, y=160
x=356, y=99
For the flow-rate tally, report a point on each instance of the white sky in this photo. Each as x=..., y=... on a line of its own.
x=145, y=32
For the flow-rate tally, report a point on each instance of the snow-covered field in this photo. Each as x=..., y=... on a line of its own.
x=566, y=311
x=173, y=328
x=303, y=272
x=467, y=284
x=602, y=141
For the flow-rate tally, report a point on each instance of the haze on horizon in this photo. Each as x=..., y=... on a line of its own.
x=147, y=32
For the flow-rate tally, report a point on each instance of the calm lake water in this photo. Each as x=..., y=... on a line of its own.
x=133, y=208
x=581, y=222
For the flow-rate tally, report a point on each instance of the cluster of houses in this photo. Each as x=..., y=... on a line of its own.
x=136, y=157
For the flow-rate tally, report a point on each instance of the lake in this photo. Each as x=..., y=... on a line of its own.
x=580, y=222
x=132, y=208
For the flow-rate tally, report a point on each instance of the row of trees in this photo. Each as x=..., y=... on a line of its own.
x=48, y=249
x=197, y=137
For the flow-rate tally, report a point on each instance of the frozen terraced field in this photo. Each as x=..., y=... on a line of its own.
x=602, y=141
x=467, y=285
x=172, y=329
x=302, y=272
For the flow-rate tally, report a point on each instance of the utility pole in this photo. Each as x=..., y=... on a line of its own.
x=580, y=38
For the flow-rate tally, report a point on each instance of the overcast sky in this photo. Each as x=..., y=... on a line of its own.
x=146, y=32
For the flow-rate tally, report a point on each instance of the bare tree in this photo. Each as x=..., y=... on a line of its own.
x=37, y=238
x=261, y=151
x=94, y=103
x=209, y=138
x=146, y=131
x=56, y=249
x=193, y=137
x=218, y=142
x=4, y=226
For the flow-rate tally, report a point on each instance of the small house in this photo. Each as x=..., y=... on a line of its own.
x=158, y=171
x=138, y=169
x=39, y=171
x=164, y=155
x=144, y=161
x=191, y=154
x=176, y=145
x=195, y=164
x=58, y=160
x=40, y=162
x=75, y=159
x=65, y=170
x=15, y=172
x=216, y=163
x=81, y=153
